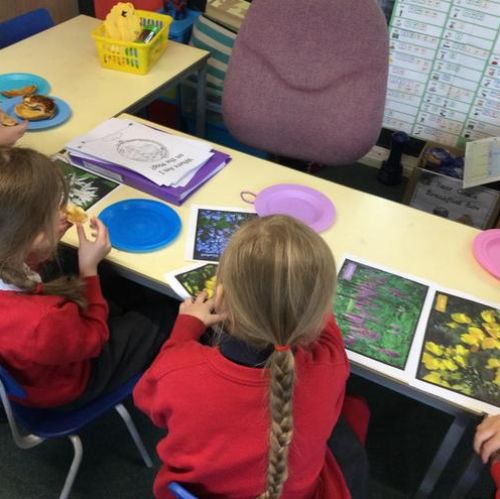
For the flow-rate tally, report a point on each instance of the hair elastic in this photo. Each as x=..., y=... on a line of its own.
x=39, y=288
x=282, y=348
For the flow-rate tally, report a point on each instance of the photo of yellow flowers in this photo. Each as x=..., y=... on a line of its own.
x=193, y=279
x=200, y=279
x=461, y=348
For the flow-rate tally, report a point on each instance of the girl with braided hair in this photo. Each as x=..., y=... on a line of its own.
x=57, y=337
x=251, y=417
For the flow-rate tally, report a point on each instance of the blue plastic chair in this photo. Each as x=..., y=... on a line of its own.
x=45, y=424
x=179, y=491
x=21, y=27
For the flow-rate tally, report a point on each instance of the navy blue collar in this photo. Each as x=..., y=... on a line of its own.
x=242, y=353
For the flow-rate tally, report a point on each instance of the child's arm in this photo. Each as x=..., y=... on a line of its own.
x=9, y=135
x=68, y=334
x=195, y=315
x=487, y=438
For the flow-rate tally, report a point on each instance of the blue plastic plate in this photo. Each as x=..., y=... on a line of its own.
x=12, y=81
x=62, y=114
x=140, y=225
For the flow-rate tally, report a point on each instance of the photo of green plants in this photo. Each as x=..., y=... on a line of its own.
x=378, y=312
x=461, y=349
x=200, y=279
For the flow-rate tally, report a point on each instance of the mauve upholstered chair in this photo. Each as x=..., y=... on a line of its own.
x=307, y=78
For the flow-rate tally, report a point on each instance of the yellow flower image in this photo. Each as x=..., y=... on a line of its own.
x=488, y=316
x=493, y=364
x=210, y=286
x=469, y=339
x=436, y=379
x=489, y=344
x=476, y=332
x=462, y=349
x=430, y=362
x=449, y=365
x=461, y=318
x=434, y=348
x=492, y=329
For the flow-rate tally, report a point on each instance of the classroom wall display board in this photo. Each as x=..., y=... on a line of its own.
x=440, y=341
x=444, y=70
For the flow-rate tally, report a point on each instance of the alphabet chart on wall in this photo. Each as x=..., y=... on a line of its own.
x=444, y=70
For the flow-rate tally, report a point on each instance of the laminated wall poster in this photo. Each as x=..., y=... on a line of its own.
x=440, y=341
x=444, y=70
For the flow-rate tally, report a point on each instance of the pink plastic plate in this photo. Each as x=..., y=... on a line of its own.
x=486, y=249
x=304, y=203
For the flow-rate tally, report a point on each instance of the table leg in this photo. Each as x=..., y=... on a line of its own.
x=468, y=478
x=442, y=456
x=201, y=100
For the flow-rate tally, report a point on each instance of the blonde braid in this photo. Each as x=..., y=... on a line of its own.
x=282, y=378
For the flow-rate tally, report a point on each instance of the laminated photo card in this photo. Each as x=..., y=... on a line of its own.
x=193, y=279
x=459, y=351
x=440, y=341
x=210, y=228
x=379, y=312
x=85, y=188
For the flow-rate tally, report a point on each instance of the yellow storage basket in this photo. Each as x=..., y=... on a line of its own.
x=133, y=57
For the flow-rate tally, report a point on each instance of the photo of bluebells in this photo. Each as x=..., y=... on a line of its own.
x=461, y=349
x=213, y=230
x=85, y=188
x=378, y=312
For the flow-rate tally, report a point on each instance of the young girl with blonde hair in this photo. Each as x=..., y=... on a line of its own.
x=56, y=337
x=251, y=418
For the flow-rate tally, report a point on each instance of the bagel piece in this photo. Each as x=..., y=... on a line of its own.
x=16, y=92
x=36, y=107
x=6, y=120
x=75, y=214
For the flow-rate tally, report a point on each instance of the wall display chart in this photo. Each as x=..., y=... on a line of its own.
x=444, y=71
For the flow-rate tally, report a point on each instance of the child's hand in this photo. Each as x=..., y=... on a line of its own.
x=202, y=309
x=9, y=135
x=91, y=252
x=487, y=438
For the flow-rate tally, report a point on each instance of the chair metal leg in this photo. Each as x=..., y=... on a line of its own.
x=122, y=411
x=75, y=466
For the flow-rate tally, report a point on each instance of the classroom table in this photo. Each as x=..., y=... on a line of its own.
x=66, y=56
x=384, y=232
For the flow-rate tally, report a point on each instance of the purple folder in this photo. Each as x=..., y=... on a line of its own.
x=174, y=195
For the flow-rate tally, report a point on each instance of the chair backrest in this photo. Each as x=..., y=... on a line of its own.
x=24, y=25
x=308, y=80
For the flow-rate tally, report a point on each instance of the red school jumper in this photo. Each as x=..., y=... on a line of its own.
x=47, y=342
x=217, y=416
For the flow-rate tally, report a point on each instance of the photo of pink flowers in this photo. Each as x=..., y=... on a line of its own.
x=378, y=312
x=461, y=348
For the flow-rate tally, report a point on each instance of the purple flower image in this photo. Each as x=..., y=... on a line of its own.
x=213, y=230
x=378, y=312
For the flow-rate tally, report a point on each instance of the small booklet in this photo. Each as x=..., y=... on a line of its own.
x=482, y=162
